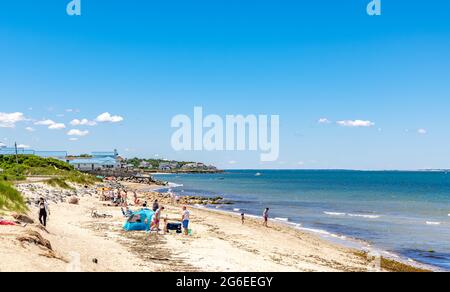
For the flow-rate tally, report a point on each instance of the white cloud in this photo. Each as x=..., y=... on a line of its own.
x=57, y=126
x=23, y=146
x=356, y=123
x=9, y=120
x=30, y=129
x=232, y=162
x=108, y=118
x=45, y=123
x=52, y=125
x=2, y=144
x=76, y=132
x=82, y=122
x=301, y=163
x=422, y=131
x=73, y=139
x=324, y=121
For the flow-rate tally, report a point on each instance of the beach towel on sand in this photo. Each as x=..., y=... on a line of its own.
x=139, y=221
x=7, y=223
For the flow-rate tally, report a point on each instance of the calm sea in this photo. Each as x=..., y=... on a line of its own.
x=404, y=213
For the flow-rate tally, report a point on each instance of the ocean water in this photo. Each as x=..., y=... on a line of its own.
x=403, y=213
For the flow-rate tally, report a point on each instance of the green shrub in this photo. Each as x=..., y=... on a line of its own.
x=58, y=183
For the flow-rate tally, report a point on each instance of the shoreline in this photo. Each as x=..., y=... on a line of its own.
x=219, y=243
x=357, y=244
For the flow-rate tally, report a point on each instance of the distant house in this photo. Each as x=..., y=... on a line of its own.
x=198, y=166
x=167, y=166
x=98, y=161
x=145, y=164
x=93, y=164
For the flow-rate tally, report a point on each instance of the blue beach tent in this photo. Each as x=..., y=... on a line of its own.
x=139, y=221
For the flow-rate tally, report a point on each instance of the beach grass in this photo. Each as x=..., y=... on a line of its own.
x=59, y=183
x=11, y=199
x=16, y=169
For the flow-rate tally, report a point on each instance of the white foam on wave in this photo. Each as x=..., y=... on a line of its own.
x=365, y=216
x=236, y=209
x=335, y=213
x=368, y=216
x=433, y=223
x=318, y=231
x=282, y=219
x=174, y=185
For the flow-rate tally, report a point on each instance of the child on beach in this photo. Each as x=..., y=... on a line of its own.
x=136, y=200
x=156, y=220
x=243, y=218
x=266, y=217
x=185, y=219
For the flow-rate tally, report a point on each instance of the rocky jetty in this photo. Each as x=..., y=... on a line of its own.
x=141, y=180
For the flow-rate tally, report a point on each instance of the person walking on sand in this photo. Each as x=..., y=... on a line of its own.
x=44, y=212
x=243, y=218
x=156, y=220
x=185, y=217
x=266, y=217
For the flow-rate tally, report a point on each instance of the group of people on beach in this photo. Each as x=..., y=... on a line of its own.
x=156, y=219
x=120, y=198
x=265, y=217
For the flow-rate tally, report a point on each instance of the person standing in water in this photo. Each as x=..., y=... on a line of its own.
x=44, y=212
x=266, y=217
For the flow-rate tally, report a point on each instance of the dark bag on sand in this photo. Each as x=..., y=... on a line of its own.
x=174, y=226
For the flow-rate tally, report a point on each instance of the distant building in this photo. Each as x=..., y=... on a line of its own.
x=145, y=164
x=198, y=166
x=98, y=161
x=93, y=164
x=167, y=166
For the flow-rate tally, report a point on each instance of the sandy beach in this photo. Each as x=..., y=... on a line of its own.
x=219, y=243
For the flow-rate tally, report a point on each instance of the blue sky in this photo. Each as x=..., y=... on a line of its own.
x=147, y=61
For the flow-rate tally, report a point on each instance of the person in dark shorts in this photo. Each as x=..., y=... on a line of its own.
x=44, y=212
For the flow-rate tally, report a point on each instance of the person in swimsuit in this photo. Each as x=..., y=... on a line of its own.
x=157, y=219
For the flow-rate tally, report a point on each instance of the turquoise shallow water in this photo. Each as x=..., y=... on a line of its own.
x=406, y=213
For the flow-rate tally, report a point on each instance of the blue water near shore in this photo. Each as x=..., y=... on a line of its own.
x=406, y=213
